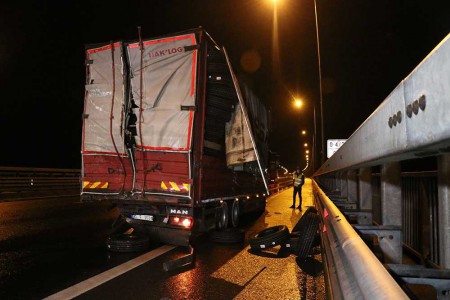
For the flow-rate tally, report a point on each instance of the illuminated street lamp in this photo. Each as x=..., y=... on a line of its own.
x=303, y=132
x=276, y=62
x=298, y=102
x=307, y=151
x=306, y=144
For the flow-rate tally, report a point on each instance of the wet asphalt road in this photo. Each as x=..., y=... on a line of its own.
x=48, y=245
x=228, y=271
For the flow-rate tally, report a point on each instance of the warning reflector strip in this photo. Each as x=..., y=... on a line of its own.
x=174, y=186
x=95, y=185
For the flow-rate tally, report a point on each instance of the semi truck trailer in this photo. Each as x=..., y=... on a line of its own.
x=172, y=136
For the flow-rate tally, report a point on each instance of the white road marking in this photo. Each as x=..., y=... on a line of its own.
x=101, y=278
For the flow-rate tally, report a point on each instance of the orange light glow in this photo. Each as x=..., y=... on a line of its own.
x=186, y=223
x=274, y=2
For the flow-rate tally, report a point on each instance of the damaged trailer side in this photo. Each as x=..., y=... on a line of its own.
x=161, y=118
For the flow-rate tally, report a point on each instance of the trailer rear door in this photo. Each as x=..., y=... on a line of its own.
x=104, y=166
x=163, y=88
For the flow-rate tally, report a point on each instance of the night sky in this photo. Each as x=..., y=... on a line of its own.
x=367, y=48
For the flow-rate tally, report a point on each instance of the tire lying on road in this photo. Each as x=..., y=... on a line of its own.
x=306, y=235
x=127, y=242
x=300, y=222
x=290, y=243
x=269, y=237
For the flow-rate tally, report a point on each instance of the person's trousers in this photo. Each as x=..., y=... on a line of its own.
x=297, y=189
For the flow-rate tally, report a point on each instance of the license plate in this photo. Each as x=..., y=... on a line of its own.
x=142, y=217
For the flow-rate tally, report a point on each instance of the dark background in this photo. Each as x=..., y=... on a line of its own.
x=367, y=48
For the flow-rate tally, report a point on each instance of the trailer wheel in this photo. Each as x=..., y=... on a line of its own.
x=127, y=242
x=222, y=216
x=300, y=222
x=306, y=235
x=269, y=237
x=234, y=213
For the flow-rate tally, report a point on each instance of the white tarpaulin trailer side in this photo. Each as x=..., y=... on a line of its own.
x=163, y=77
x=104, y=101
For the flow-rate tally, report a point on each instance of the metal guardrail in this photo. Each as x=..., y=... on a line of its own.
x=280, y=183
x=412, y=122
x=354, y=271
x=19, y=180
x=370, y=183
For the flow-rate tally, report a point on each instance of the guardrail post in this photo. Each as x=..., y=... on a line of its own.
x=391, y=211
x=391, y=194
x=336, y=182
x=343, y=184
x=444, y=210
x=327, y=182
x=365, y=188
x=352, y=186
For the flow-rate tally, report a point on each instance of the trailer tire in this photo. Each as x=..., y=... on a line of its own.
x=218, y=67
x=219, y=79
x=306, y=235
x=234, y=214
x=269, y=237
x=300, y=222
x=222, y=216
x=227, y=93
x=227, y=236
x=127, y=243
x=216, y=56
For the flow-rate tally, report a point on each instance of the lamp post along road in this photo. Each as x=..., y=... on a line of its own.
x=314, y=158
x=322, y=157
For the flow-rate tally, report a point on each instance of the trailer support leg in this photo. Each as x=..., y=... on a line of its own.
x=180, y=262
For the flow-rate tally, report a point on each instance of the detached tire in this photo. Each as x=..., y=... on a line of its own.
x=227, y=236
x=127, y=243
x=306, y=235
x=269, y=237
x=300, y=222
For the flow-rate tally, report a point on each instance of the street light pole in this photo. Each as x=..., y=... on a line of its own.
x=322, y=157
x=314, y=140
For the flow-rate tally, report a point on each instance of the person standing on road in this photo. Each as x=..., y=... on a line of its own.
x=298, y=180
